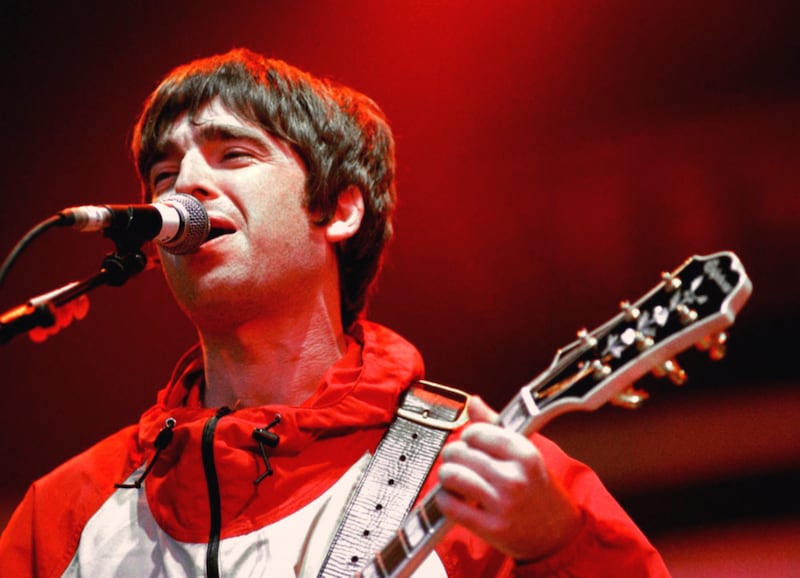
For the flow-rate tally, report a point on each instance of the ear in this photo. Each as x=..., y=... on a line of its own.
x=347, y=219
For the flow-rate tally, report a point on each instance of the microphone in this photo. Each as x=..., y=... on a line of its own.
x=177, y=222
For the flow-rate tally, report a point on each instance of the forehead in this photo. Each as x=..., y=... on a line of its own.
x=212, y=121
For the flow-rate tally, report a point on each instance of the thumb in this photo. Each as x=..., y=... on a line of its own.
x=479, y=411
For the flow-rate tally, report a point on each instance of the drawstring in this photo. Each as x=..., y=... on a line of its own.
x=163, y=439
x=271, y=439
x=262, y=435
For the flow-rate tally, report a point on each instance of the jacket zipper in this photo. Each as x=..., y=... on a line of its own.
x=212, y=482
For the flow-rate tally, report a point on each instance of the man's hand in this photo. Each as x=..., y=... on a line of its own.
x=499, y=488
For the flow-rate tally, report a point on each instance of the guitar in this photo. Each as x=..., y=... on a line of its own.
x=690, y=306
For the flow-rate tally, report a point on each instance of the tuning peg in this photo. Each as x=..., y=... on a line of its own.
x=715, y=344
x=631, y=398
x=600, y=370
x=686, y=314
x=587, y=338
x=643, y=342
x=671, y=282
x=629, y=312
x=671, y=369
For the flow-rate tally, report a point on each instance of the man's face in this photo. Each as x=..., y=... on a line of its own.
x=264, y=255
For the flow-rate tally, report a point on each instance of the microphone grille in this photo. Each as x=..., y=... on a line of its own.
x=196, y=225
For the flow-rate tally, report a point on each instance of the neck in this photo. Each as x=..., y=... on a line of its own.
x=271, y=361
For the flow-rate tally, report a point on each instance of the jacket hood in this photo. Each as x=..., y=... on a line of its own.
x=356, y=399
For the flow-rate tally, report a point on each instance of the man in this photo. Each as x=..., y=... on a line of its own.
x=246, y=461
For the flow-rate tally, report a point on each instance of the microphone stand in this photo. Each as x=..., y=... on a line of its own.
x=38, y=311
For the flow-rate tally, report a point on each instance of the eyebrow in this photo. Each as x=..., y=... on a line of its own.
x=210, y=132
x=228, y=132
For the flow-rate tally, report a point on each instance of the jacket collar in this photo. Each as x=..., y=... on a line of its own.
x=360, y=390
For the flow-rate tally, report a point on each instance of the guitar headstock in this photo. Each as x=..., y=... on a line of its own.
x=692, y=305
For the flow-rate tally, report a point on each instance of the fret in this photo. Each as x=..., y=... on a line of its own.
x=430, y=512
x=413, y=531
x=391, y=556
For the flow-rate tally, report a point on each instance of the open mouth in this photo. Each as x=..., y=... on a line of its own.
x=219, y=232
x=220, y=226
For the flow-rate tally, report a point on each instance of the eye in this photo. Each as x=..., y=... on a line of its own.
x=160, y=180
x=236, y=153
x=161, y=176
x=163, y=171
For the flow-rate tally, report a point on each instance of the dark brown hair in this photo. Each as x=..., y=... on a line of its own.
x=341, y=135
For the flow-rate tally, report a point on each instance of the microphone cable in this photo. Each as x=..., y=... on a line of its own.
x=49, y=223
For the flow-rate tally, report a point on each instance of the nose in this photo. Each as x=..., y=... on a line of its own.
x=195, y=176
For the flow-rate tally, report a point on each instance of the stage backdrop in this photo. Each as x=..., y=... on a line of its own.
x=553, y=159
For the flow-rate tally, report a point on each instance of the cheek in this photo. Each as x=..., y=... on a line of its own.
x=181, y=275
x=283, y=219
x=289, y=245
x=169, y=269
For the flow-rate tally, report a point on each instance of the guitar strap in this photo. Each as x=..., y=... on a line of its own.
x=389, y=486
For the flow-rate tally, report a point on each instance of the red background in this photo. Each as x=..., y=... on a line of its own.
x=554, y=158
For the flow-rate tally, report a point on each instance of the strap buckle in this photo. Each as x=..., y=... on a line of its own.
x=431, y=402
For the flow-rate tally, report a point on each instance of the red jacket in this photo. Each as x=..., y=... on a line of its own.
x=199, y=509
